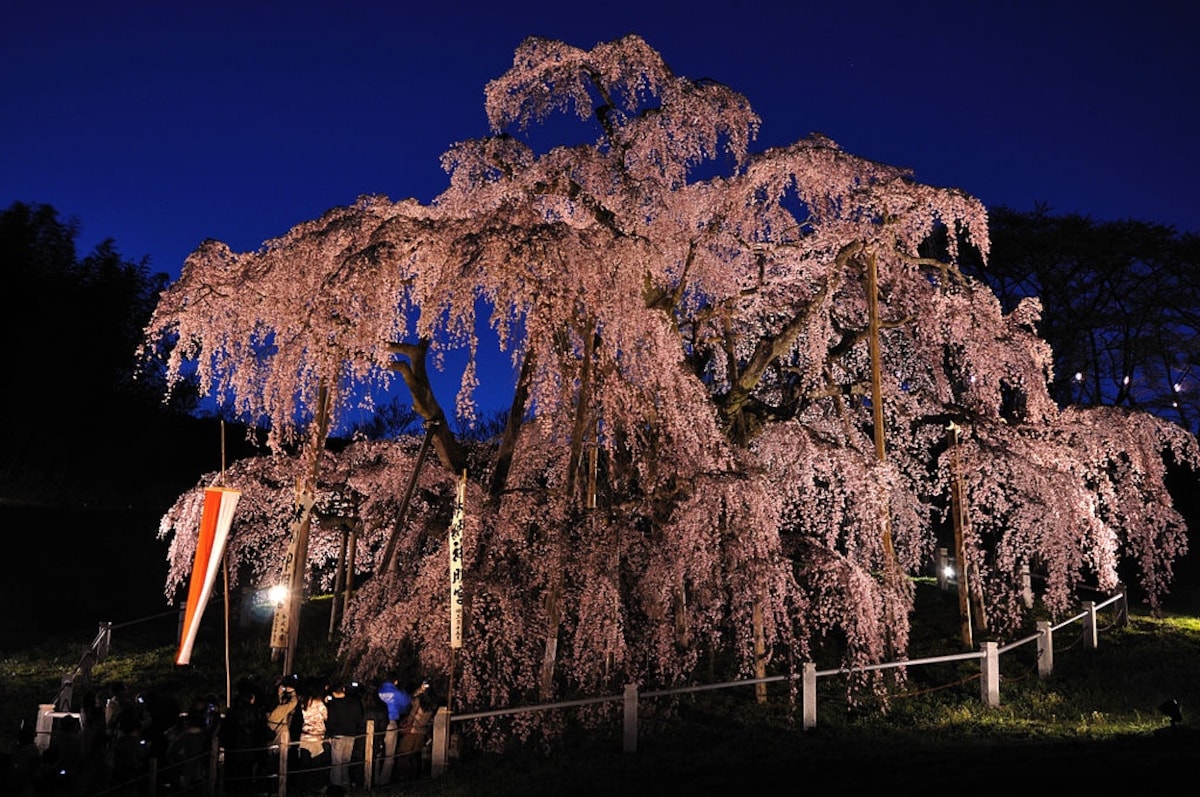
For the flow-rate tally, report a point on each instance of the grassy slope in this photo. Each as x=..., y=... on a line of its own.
x=1094, y=724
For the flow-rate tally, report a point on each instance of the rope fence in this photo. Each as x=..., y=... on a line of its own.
x=989, y=677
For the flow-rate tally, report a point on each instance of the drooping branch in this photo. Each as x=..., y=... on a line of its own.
x=771, y=348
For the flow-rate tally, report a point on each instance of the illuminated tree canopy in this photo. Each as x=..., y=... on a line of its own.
x=691, y=460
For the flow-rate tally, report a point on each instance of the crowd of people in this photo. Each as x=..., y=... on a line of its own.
x=107, y=744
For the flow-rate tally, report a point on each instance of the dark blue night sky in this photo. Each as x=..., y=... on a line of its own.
x=162, y=124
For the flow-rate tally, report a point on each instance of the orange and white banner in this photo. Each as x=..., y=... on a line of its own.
x=219, y=504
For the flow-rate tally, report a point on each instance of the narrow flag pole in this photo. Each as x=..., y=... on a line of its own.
x=225, y=572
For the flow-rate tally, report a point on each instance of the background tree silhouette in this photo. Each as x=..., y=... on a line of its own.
x=80, y=414
x=1120, y=306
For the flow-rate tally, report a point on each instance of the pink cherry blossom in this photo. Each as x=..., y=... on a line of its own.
x=693, y=435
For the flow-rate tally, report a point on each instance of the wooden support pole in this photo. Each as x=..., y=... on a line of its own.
x=631, y=718
x=348, y=592
x=339, y=582
x=891, y=565
x=958, y=516
x=876, y=365
x=760, y=653
x=386, y=565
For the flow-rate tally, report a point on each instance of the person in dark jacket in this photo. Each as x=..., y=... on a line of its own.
x=344, y=722
x=415, y=730
x=244, y=736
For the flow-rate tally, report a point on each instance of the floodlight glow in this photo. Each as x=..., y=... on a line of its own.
x=948, y=571
x=277, y=594
x=1079, y=376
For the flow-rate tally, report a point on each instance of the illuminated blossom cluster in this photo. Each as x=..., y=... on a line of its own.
x=691, y=463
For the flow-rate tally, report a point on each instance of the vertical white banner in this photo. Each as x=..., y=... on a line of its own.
x=282, y=623
x=456, y=561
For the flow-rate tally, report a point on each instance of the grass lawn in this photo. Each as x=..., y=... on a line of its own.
x=1094, y=725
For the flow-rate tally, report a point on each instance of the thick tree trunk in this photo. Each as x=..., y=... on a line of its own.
x=768, y=350
x=891, y=565
x=415, y=375
x=554, y=598
x=300, y=567
x=582, y=412
x=683, y=631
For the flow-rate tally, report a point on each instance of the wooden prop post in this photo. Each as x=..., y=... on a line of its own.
x=958, y=515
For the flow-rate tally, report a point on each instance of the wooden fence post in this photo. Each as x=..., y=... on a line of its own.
x=369, y=756
x=45, y=726
x=808, y=699
x=990, y=680
x=1089, y=625
x=285, y=741
x=631, y=718
x=214, y=761
x=441, y=742
x=103, y=641
x=1045, y=649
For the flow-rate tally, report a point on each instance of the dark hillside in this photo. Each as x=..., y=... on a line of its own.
x=82, y=537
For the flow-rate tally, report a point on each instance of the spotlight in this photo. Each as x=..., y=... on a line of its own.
x=948, y=571
x=277, y=594
x=1171, y=709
